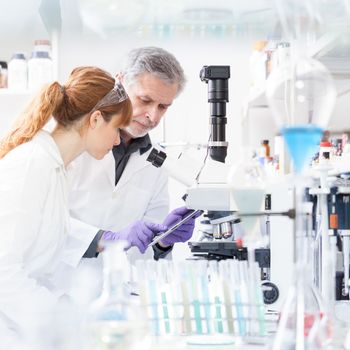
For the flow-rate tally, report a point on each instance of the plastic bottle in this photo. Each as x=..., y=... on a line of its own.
x=258, y=64
x=282, y=53
x=3, y=75
x=42, y=45
x=266, y=147
x=325, y=152
x=17, y=72
x=39, y=70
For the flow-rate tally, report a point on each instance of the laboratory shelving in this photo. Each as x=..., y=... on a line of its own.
x=334, y=52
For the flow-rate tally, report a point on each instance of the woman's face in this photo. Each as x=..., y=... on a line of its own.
x=101, y=135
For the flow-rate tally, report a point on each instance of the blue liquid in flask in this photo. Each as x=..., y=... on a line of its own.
x=302, y=143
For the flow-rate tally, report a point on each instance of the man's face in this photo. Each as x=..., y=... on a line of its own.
x=150, y=98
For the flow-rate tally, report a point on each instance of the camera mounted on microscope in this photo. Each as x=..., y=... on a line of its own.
x=217, y=79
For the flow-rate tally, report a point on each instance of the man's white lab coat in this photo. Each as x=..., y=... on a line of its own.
x=96, y=203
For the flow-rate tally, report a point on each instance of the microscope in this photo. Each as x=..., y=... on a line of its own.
x=210, y=191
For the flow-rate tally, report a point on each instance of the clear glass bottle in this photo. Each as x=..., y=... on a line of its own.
x=115, y=320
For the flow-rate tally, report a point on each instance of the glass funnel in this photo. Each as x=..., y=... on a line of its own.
x=301, y=95
x=247, y=181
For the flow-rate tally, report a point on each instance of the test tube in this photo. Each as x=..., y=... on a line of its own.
x=165, y=296
x=238, y=310
x=194, y=299
x=182, y=273
x=216, y=296
x=152, y=295
x=244, y=292
x=224, y=272
x=202, y=269
x=257, y=309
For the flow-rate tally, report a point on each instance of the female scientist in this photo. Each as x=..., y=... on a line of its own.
x=34, y=220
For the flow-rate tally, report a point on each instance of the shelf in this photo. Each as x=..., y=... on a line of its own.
x=257, y=99
x=8, y=92
x=322, y=51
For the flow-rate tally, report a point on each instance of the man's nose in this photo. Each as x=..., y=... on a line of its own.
x=154, y=115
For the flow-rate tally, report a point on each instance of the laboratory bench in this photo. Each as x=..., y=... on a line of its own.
x=340, y=331
x=182, y=343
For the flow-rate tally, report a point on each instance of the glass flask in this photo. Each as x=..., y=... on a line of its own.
x=115, y=320
x=301, y=95
x=304, y=322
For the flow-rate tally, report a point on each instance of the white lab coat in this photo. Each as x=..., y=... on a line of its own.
x=34, y=223
x=96, y=203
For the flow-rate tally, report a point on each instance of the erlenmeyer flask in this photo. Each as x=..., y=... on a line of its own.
x=303, y=323
x=115, y=320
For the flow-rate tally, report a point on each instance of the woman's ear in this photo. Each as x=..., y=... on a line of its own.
x=95, y=118
x=119, y=77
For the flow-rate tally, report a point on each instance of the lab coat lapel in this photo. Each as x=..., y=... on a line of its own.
x=135, y=164
x=109, y=167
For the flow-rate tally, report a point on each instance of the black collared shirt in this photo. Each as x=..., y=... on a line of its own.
x=122, y=153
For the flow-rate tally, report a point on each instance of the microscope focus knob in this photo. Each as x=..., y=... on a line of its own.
x=270, y=292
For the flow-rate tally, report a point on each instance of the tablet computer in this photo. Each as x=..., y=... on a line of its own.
x=157, y=238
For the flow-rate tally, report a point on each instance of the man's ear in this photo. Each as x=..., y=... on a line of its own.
x=94, y=119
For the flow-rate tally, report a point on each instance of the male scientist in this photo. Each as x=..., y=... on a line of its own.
x=115, y=198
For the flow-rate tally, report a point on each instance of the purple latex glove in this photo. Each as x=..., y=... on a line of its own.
x=138, y=234
x=184, y=232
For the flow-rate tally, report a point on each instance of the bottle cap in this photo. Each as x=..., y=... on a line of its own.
x=325, y=144
x=42, y=42
x=18, y=56
x=3, y=64
x=40, y=54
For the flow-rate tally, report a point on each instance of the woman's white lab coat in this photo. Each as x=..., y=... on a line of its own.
x=33, y=226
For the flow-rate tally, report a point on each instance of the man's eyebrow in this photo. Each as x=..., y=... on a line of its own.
x=151, y=99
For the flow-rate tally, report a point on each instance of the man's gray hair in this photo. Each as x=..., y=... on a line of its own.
x=155, y=61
